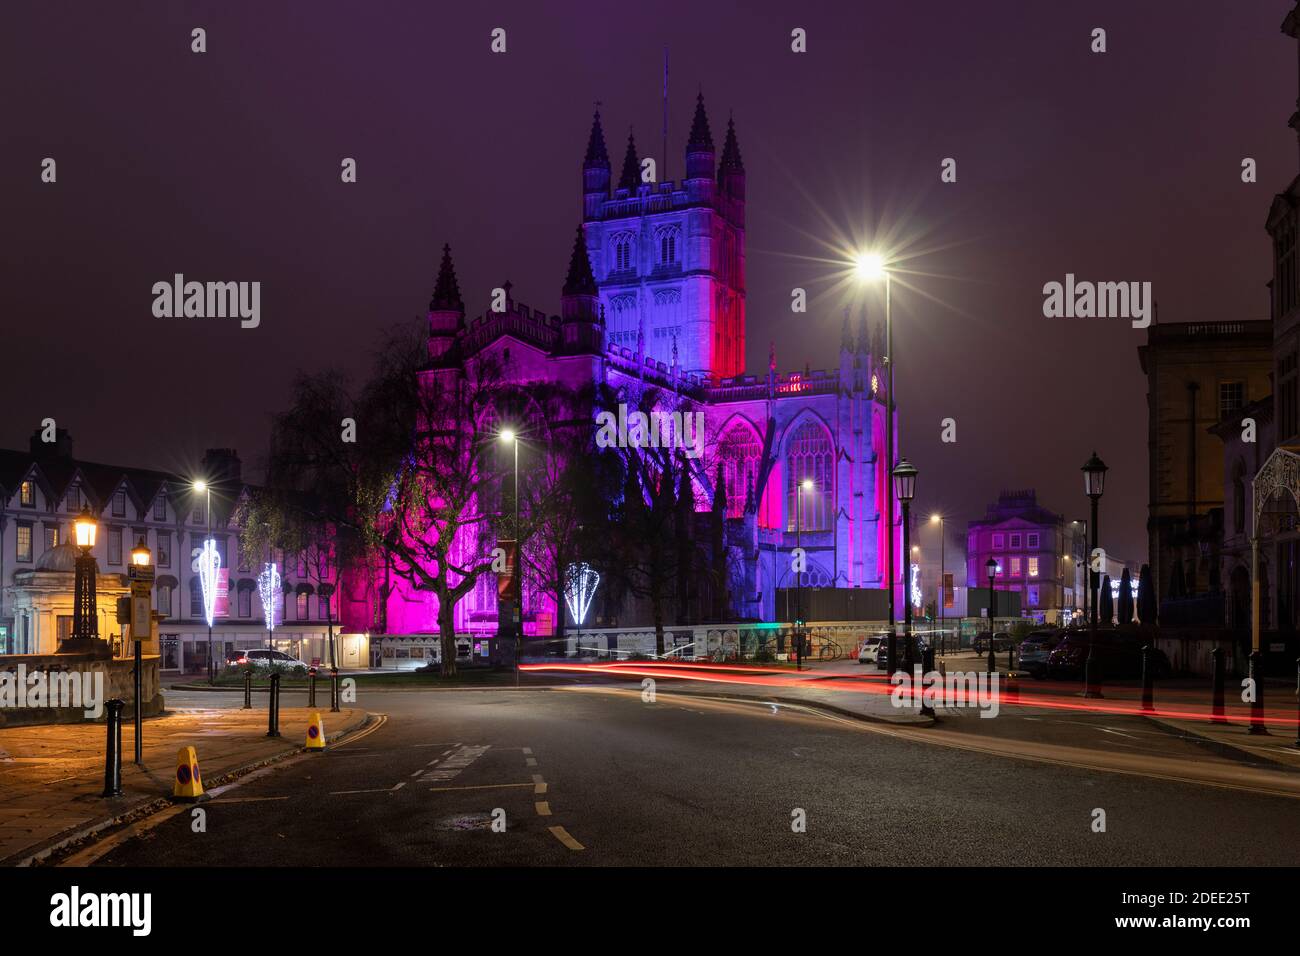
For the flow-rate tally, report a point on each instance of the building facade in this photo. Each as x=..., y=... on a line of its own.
x=1038, y=553
x=654, y=303
x=43, y=490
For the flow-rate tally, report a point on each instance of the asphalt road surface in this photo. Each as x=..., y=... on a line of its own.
x=597, y=776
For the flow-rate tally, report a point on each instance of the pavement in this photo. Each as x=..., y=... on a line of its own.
x=52, y=777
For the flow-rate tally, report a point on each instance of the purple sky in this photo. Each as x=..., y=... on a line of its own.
x=225, y=166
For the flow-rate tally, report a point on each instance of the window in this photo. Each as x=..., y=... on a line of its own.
x=1239, y=496
x=163, y=555
x=24, y=541
x=809, y=456
x=114, y=545
x=999, y=541
x=947, y=589
x=196, y=598
x=73, y=501
x=1232, y=396
x=738, y=453
x=1033, y=567
x=1033, y=595
x=119, y=504
x=164, y=593
x=1015, y=567
x=160, y=508
x=1002, y=567
x=668, y=238
x=624, y=248
x=197, y=516
x=245, y=602
x=27, y=494
x=1015, y=541
x=323, y=607
x=51, y=537
x=302, y=608
x=1031, y=540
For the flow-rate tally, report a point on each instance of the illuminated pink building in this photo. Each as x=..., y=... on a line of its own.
x=655, y=298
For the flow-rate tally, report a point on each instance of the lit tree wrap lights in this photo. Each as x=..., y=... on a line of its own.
x=208, y=566
x=583, y=580
x=268, y=586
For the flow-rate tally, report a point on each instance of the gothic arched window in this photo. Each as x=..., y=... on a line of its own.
x=809, y=456
x=668, y=239
x=738, y=454
x=624, y=252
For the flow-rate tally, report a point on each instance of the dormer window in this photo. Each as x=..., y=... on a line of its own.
x=160, y=508
x=119, y=504
x=74, y=499
x=27, y=494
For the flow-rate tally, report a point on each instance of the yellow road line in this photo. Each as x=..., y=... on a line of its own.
x=482, y=786
x=562, y=835
x=543, y=808
x=539, y=785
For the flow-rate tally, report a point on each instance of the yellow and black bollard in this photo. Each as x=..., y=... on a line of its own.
x=188, y=785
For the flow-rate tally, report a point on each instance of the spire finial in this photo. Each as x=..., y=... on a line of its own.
x=580, y=280
x=446, y=290
x=596, y=154
x=701, y=139
x=631, y=176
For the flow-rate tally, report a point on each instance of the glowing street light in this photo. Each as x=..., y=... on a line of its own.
x=140, y=555
x=207, y=566
x=870, y=266
x=85, y=623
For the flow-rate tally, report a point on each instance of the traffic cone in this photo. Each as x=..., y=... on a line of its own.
x=315, y=732
x=189, y=784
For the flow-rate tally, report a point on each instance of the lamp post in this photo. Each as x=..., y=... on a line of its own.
x=904, y=481
x=943, y=594
x=871, y=266
x=141, y=575
x=207, y=576
x=508, y=436
x=991, y=567
x=1094, y=480
x=805, y=485
x=85, y=615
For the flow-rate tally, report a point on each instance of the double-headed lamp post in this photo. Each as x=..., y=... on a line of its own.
x=904, y=479
x=508, y=436
x=85, y=616
x=805, y=485
x=991, y=568
x=1094, y=482
x=937, y=518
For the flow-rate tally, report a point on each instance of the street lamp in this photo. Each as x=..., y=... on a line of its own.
x=85, y=623
x=872, y=267
x=209, y=564
x=991, y=567
x=507, y=435
x=805, y=485
x=937, y=518
x=141, y=574
x=1094, y=481
x=141, y=555
x=905, y=490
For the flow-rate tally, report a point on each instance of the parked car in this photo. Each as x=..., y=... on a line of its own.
x=1002, y=642
x=263, y=657
x=1034, y=650
x=1118, y=653
x=870, y=648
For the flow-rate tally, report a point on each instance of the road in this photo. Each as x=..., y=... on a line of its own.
x=596, y=776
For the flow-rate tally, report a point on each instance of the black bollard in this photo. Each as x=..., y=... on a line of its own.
x=248, y=689
x=334, y=690
x=138, y=674
x=1148, y=678
x=1216, y=701
x=927, y=666
x=311, y=687
x=113, y=749
x=1257, y=684
x=273, y=713
x=892, y=647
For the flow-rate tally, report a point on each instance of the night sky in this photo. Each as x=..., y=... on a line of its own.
x=225, y=166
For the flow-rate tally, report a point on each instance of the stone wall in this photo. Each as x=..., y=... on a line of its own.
x=118, y=681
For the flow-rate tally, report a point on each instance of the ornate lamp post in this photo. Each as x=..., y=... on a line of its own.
x=85, y=615
x=209, y=564
x=141, y=574
x=991, y=567
x=1094, y=481
x=904, y=477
